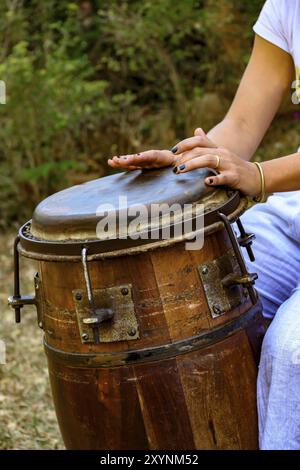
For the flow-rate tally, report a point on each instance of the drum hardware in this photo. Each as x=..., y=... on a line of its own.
x=116, y=315
x=247, y=279
x=226, y=278
x=232, y=279
x=97, y=315
x=17, y=301
x=246, y=239
x=221, y=297
x=121, y=326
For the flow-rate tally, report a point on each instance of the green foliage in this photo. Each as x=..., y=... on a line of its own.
x=89, y=79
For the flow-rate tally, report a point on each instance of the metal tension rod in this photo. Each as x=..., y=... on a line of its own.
x=90, y=293
x=250, y=278
x=17, y=301
x=246, y=239
x=97, y=315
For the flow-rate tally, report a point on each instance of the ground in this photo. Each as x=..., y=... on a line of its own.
x=27, y=414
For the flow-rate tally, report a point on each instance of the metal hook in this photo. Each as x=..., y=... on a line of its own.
x=97, y=315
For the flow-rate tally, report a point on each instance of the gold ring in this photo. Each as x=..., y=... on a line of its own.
x=218, y=162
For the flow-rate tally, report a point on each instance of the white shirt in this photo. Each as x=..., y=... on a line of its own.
x=279, y=23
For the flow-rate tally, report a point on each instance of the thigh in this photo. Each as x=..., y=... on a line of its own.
x=278, y=388
x=276, y=249
x=282, y=340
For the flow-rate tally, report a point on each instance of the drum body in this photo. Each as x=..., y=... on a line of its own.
x=174, y=364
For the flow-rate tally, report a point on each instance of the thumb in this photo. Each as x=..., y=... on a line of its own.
x=199, y=132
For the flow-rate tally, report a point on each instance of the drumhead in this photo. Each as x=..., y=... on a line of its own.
x=73, y=215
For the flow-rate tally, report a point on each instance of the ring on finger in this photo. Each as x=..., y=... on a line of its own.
x=218, y=162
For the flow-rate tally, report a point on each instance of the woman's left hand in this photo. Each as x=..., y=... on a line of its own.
x=233, y=171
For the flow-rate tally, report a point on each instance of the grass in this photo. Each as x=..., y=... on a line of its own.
x=27, y=416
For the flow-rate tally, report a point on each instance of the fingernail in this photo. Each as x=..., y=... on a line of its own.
x=174, y=149
x=138, y=154
x=210, y=181
x=181, y=167
x=175, y=169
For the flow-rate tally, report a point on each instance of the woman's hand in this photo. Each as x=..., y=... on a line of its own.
x=233, y=171
x=161, y=158
x=148, y=159
x=198, y=152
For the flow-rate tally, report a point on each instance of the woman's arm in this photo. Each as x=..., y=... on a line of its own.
x=266, y=81
x=282, y=174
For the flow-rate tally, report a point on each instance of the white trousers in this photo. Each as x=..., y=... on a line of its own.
x=276, y=225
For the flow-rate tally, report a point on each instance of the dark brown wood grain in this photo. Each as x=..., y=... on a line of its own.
x=98, y=409
x=164, y=406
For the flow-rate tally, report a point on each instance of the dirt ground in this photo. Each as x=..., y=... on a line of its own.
x=27, y=417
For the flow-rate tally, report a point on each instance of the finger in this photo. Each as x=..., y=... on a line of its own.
x=197, y=152
x=215, y=159
x=112, y=164
x=154, y=158
x=205, y=161
x=226, y=178
x=115, y=162
x=147, y=159
x=192, y=142
x=123, y=161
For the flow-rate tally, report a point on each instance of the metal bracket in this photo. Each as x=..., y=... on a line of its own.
x=17, y=301
x=123, y=325
x=226, y=280
x=221, y=298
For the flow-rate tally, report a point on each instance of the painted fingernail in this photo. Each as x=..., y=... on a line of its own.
x=210, y=181
x=174, y=149
x=175, y=169
x=181, y=167
x=138, y=154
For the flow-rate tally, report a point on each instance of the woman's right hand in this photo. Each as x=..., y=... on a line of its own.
x=182, y=151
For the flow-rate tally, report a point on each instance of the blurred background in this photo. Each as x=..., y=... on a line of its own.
x=87, y=80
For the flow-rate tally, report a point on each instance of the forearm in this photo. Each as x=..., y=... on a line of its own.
x=257, y=100
x=237, y=136
x=282, y=174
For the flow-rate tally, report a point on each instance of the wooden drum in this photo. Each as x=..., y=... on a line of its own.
x=150, y=345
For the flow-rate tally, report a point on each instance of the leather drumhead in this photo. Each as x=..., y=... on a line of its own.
x=72, y=213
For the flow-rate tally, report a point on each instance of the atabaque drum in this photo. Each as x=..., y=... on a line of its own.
x=152, y=325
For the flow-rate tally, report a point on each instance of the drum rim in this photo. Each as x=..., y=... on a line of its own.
x=70, y=250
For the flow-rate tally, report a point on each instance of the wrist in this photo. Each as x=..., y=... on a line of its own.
x=261, y=197
x=253, y=180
